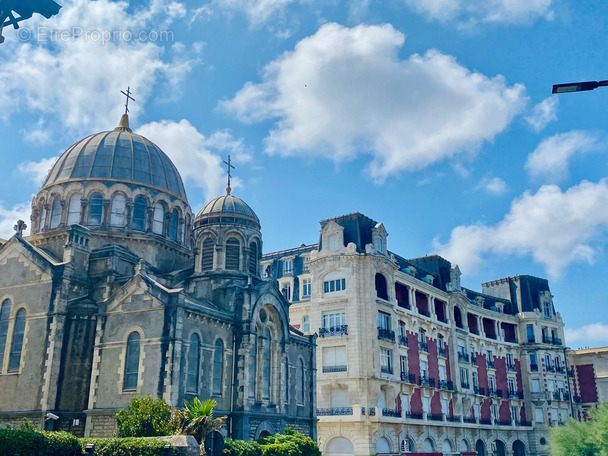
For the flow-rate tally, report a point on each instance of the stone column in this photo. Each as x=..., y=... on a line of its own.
x=84, y=203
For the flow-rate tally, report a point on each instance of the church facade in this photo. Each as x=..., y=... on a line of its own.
x=120, y=291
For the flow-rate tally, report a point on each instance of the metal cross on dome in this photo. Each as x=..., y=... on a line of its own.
x=228, y=189
x=129, y=97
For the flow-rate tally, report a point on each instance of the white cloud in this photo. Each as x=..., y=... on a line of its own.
x=556, y=228
x=190, y=152
x=344, y=91
x=257, y=12
x=543, y=113
x=75, y=78
x=597, y=332
x=550, y=160
x=36, y=172
x=9, y=217
x=493, y=185
x=470, y=12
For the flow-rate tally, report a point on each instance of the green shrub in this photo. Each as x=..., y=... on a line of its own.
x=128, y=446
x=241, y=448
x=144, y=417
x=23, y=443
x=62, y=444
x=288, y=444
x=35, y=443
x=280, y=449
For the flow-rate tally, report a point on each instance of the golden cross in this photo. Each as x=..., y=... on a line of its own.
x=129, y=97
x=229, y=175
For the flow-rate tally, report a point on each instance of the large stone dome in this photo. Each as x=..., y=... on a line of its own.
x=227, y=210
x=117, y=156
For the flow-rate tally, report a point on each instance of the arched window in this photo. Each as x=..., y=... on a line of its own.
x=140, y=207
x=5, y=311
x=300, y=382
x=253, y=258
x=173, y=224
x=518, y=448
x=158, y=226
x=132, y=363
x=218, y=367
x=480, y=448
x=117, y=215
x=266, y=364
x=381, y=290
x=233, y=251
x=458, y=317
x=18, y=330
x=207, y=257
x=193, y=364
x=55, y=213
x=74, y=210
x=95, y=209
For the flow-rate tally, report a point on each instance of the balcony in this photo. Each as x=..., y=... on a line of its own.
x=386, y=334
x=335, y=411
x=442, y=319
x=386, y=369
x=511, y=367
x=414, y=415
x=503, y=422
x=426, y=381
x=550, y=368
x=329, y=369
x=552, y=340
x=566, y=395
x=516, y=394
x=465, y=385
x=523, y=423
x=479, y=390
x=441, y=351
x=493, y=392
x=341, y=330
x=534, y=367
x=409, y=378
x=560, y=370
x=463, y=357
x=391, y=412
x=557, y=396
x=473, y=358
x=453, y=419
x=538, y=396
x=403, y=340
x=446, y=385
x=485, y=421
x=511, y=340
x=423, y=346
x=490, y=364
x=577, y=399
x=435, y=416
x=469, y=419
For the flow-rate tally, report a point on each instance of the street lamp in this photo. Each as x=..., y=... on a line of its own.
x=578, y=86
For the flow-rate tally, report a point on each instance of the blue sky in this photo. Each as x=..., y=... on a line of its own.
x=434, y=117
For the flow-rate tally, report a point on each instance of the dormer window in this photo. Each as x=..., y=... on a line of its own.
x=380, y=244
x=333, y=242
x=288, y=266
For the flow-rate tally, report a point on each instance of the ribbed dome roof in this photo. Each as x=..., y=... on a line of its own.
x=226, y=210
x=118, y=156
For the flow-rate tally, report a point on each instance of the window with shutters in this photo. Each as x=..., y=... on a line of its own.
x=74, y=209
x=207, y=256
x=55, y=213
x=218, y=368
x=233, y=250
x=334, y=359
x=117, y=213
x=193, y=364
x=95, y=209
x=131, y=362
x=140, y=207
x=5, y=311
x=253, y=258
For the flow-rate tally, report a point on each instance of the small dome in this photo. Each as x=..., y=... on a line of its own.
x=117, y=156
x=227, y=210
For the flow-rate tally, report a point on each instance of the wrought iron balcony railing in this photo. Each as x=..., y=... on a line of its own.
x=435, y=416
x=386, y=334
x=490, y=363
x=441, y=351
x=334, y=331
x=479, y=390
x=453, y=418
x=446, y=385
x=414, y=415
x=329, y=369
x=427, y=381
x=403, y=340
x=423, y=345
x=335, y=411
x=534, y=367
x=485, y=421
x=391, y=412
x=386, y=369
x=495, y=392
x=511, y=367
x=409, y=378
x=469, y=419
x=463, y=357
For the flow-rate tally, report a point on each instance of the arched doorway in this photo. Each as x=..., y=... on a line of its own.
x=518, y=448
x=428, y=446
x=499, y=448
x=480, y=447
x=264, y=429
x=339, y=446
x=382, y=446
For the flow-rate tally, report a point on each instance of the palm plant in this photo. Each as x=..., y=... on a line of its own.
x=197, y=418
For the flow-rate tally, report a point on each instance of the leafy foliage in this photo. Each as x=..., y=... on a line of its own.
x=241, y=448
x=144, y=417
x=582, y=439
x=28, y=442
x=291, y=443
x=197, y=419
x=128, y=446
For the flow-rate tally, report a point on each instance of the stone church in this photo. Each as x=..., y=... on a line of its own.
x=120, y=291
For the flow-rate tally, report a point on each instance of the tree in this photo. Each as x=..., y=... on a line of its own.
x=197, y=419
x=144, y=417
x=589, y=438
